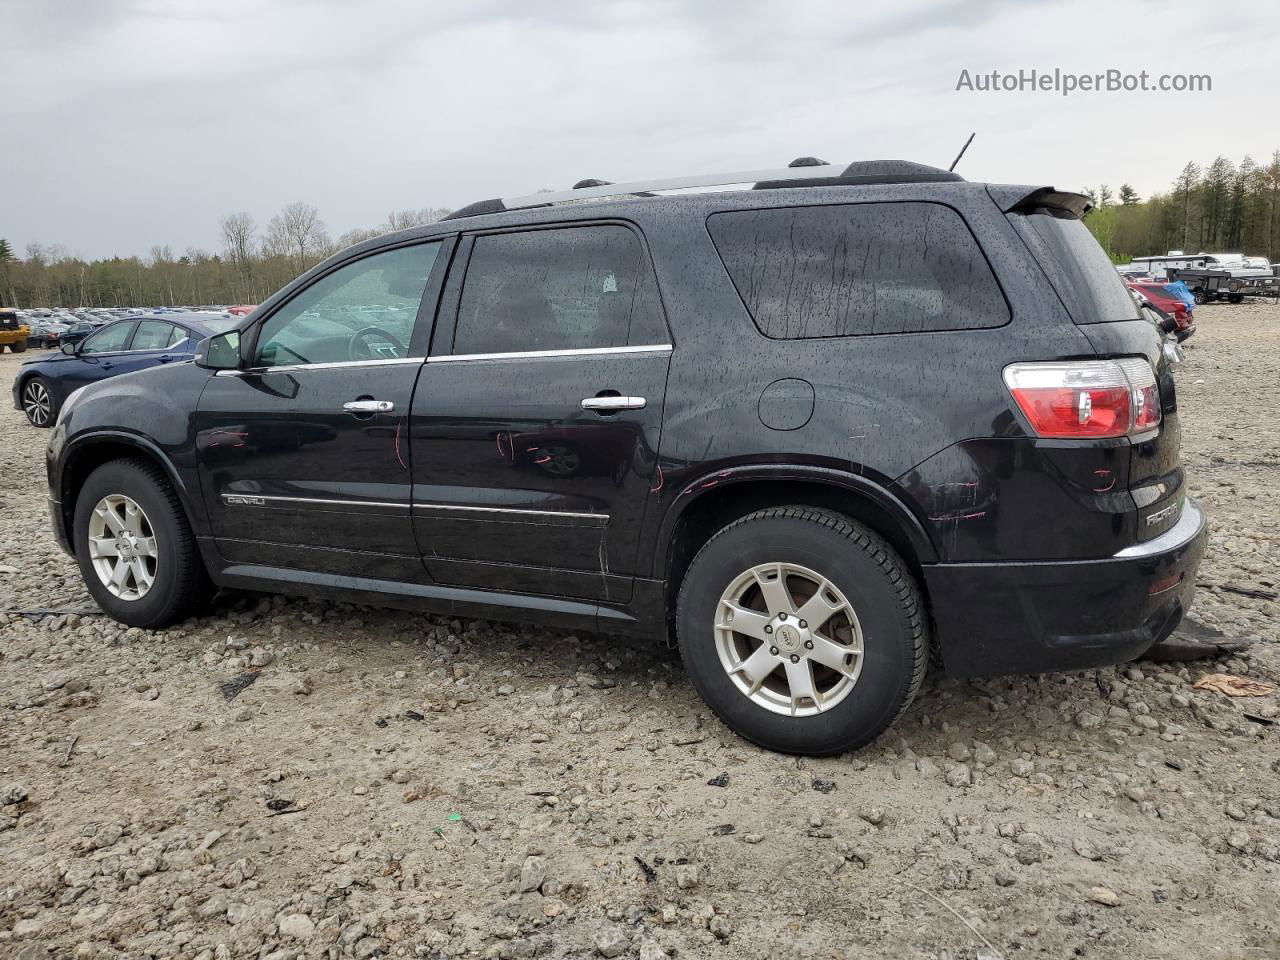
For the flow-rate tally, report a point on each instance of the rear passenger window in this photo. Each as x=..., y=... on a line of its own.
x=155, y=335
x=562, y=289
x=856, y=269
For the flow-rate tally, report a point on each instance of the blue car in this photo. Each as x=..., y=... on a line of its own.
x=134, y=343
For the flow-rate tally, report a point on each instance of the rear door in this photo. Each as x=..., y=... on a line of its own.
x=536, y=422
x=304, y=454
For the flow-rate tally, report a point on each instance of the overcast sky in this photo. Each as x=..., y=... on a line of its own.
x=128, y=123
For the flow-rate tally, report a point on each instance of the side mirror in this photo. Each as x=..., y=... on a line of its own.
x=71, y=348
x=221, y=352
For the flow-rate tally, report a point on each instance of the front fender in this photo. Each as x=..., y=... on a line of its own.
x=148, y=414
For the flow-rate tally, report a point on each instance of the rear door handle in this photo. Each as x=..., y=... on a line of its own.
x=614, y=403
x=368, y=406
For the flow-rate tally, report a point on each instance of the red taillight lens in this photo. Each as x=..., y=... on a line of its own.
x=1086, y=398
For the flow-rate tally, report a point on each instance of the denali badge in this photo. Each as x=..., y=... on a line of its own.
x=235, y=500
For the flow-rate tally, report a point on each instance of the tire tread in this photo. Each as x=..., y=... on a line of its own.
x=909, y=598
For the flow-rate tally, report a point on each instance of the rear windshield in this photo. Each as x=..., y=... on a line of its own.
x=1085, y=280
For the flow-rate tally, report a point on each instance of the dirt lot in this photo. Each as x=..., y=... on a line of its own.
x=471, y=789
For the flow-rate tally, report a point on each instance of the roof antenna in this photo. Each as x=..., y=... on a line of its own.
x=962, y=150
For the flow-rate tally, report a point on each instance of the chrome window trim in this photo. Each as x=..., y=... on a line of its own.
x=542, y=354
x=334, y=365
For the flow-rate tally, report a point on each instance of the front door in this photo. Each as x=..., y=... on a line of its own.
x=535, y=430
x=100, y=355
x=304, y=452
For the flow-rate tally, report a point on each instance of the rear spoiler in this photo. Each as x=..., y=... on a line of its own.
x=1023, y=199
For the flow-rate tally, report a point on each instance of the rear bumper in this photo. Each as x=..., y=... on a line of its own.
x=1001, y=618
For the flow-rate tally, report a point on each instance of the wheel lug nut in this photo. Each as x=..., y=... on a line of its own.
x=768, y=628
x=803, y=625
x=774, y=651
x=808, y=644
x=782, y=616
x=795, y=658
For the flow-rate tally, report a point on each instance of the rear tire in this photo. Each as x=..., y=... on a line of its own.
x=19, y=347
x=878, y=639
x=175, y=579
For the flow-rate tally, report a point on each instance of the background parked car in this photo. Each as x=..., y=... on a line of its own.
x=75, y=332
x=45, y=333
x=1169, y=306
x=45, y=382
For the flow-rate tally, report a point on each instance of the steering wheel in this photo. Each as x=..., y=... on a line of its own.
x=359, y=348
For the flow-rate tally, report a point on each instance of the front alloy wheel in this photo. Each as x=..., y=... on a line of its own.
x=37, y=404
x=788, y=639
x=122, y=547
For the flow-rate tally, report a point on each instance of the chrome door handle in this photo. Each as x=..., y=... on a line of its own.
x=368, y=406
x=613, y=403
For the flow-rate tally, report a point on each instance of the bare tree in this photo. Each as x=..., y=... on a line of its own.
x=238, y=231
x=404, y=219
x=298, y=232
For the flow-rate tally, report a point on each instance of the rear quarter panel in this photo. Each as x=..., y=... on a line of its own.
x=883, y=404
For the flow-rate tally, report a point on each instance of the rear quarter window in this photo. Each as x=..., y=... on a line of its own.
x=858, y=269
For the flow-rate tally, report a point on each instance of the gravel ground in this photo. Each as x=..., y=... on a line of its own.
x=396, y=785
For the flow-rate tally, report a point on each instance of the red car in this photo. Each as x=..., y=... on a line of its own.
x=1156, y=296
x=243, y=310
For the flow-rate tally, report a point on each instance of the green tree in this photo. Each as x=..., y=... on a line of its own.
x=7, y=297
x=1128, y=196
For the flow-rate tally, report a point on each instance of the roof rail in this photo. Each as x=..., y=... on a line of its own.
x=805, y=171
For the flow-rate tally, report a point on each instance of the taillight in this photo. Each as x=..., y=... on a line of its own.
x=1086, y=398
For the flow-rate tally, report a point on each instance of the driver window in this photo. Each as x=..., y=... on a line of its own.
x=109, y=339
x=363, y=311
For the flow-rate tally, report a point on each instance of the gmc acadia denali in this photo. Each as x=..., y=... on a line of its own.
x=821, y=430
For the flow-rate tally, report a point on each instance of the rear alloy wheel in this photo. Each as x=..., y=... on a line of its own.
x=38, y=403
x=137, y=554
x=803, y=630
x=785, y=615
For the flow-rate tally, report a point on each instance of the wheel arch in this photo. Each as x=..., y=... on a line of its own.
x=718, y=498
x=86, y=453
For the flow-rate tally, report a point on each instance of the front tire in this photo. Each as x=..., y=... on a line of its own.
x=39, y=403
x=802, y=630
x=135, y=548
x=19, y=347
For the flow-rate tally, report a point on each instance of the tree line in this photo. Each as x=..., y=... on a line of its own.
x=252, y=264
x=1219, y=208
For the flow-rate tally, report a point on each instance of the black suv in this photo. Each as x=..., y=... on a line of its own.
x=821, y=429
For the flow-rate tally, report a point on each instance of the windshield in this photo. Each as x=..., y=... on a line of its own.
x=1083, y=276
